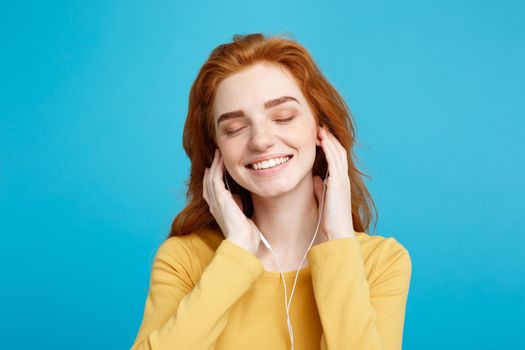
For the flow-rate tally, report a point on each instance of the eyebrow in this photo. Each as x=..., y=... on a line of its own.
x=267, y=105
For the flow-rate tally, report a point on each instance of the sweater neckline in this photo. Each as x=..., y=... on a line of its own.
x=288, y=275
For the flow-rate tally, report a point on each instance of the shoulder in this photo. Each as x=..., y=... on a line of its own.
x=383, y=254
x=191, y=243
x=379, y=245
x=189, y=252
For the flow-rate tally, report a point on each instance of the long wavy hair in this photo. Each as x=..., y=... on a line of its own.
x=199, y=142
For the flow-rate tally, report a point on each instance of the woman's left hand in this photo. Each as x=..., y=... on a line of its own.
x=337, y=212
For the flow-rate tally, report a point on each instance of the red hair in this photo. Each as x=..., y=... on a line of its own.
x=199, y=142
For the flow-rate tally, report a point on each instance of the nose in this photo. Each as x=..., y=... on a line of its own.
x=261, y=138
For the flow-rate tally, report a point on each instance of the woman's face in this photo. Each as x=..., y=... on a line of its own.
x=271, y=119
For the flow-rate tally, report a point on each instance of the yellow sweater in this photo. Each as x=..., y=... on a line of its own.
x=209, y=293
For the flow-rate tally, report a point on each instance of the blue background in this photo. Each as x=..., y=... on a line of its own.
x=93, y=100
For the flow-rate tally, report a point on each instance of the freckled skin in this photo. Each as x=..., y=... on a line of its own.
x=261, y=133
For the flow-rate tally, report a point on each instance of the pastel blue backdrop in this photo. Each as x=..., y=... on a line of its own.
x=93, y=101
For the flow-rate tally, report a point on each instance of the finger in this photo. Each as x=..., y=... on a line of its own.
x=332, y=142
x=330, y=153
x=211, y=175
x=204, y=186
x=341, y=151
x=213, y=163
x=219, y=187
x=218, y=176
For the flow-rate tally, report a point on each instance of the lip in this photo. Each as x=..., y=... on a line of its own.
x=271, y=171
x=267, y=157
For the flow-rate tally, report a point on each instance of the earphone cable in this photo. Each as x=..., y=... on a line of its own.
x=286, y=302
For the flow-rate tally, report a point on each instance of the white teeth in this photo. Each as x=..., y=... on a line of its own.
x=269, y=163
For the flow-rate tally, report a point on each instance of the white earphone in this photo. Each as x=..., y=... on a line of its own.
x=267, y=245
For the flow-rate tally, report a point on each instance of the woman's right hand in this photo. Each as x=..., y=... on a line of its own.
x=227, y=208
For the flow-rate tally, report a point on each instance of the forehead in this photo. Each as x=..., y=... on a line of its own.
x=251, y=87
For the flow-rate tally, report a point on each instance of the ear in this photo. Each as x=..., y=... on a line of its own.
x=317, y=137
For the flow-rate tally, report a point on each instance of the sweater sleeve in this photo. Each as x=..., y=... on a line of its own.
x=183, y=314
x=356, y=313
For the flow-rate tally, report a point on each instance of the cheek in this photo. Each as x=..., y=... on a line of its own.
x=309, y=139
x=231, y=155
x=308, y=133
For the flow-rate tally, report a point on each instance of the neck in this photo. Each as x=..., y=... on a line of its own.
x=288, y=222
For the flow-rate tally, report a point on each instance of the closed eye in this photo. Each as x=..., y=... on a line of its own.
x=285, y=119
x=235, y=131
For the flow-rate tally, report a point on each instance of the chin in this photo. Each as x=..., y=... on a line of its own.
x=275, y=190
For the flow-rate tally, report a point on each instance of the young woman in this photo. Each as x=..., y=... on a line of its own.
x=273, y=181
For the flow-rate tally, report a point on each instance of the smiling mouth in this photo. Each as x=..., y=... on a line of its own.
x=250, y=166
